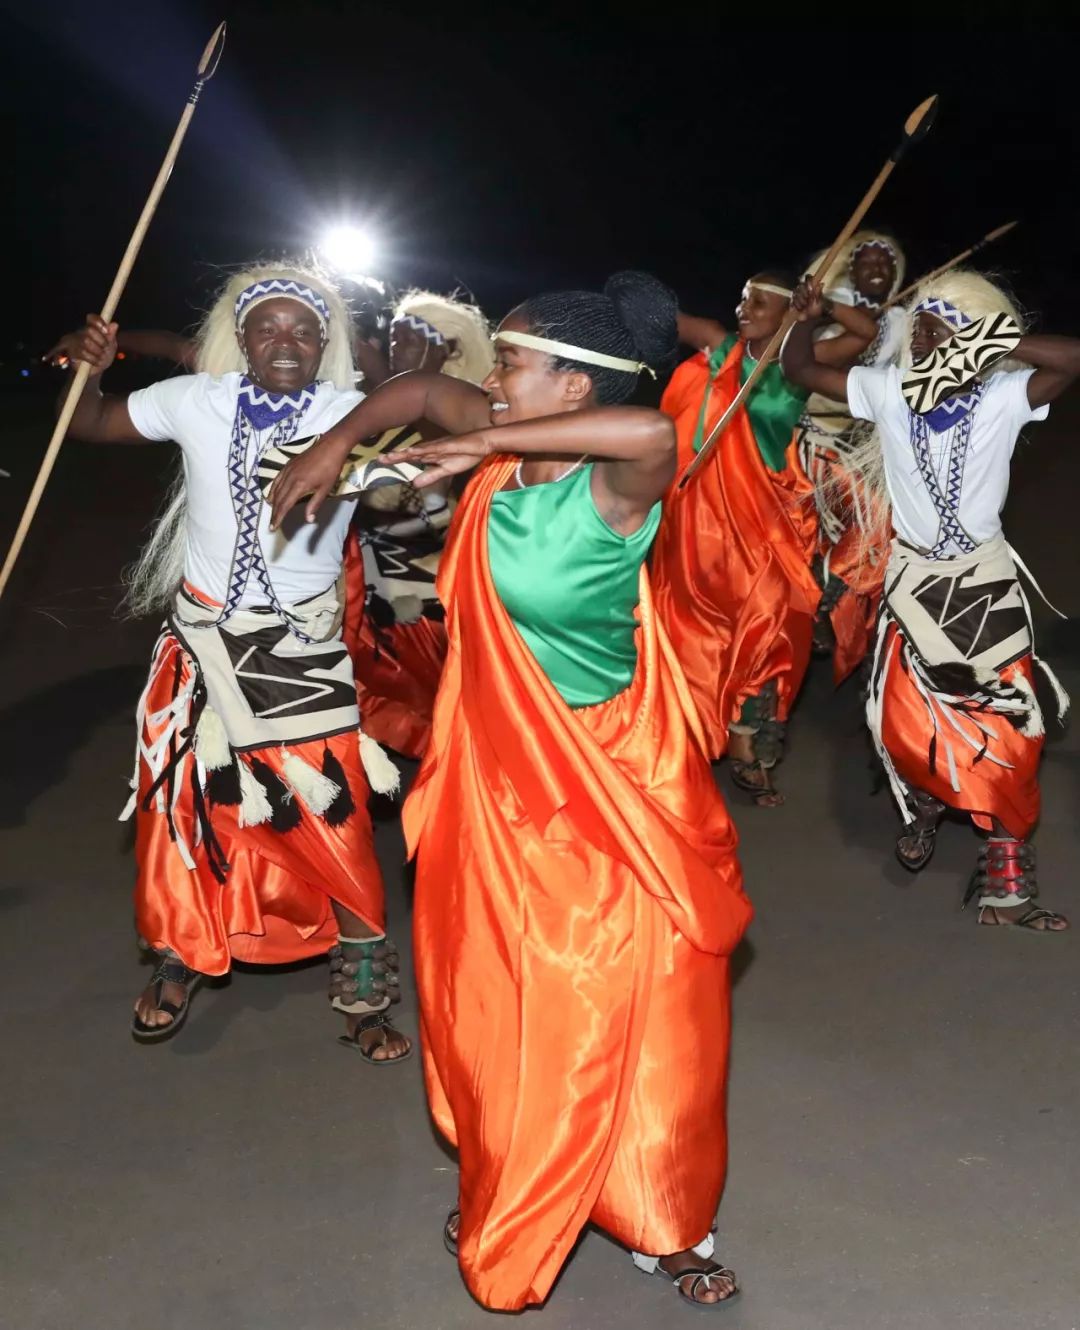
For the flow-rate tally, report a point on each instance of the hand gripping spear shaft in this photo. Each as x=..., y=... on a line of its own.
x=207, y=67
x=915, y=127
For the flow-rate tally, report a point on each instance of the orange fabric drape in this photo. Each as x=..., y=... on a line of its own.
x=397, y=671
x=855, y=614
x=732, y=560
x=987, y=791
x=577, y=896
x=275, y=905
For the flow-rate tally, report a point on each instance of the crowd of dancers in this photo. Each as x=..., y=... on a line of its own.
x=468, y=547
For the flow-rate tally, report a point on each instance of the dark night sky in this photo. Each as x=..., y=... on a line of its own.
x=530, y=147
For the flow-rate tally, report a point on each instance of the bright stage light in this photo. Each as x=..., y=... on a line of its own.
x=350, y=250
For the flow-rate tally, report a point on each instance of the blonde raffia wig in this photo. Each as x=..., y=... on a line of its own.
x=218, y=352
x=154, y=577
x=970, y=292
x=840, y=274
x=458, y=322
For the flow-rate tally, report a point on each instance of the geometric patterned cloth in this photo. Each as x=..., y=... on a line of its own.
x=278, y=416
x=952, y=538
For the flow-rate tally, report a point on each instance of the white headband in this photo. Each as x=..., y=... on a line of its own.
x=773, y=290
x=568, y=352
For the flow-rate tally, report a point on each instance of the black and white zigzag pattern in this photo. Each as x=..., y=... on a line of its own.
x=364, y=469
x=947, y=503
x=958, y=360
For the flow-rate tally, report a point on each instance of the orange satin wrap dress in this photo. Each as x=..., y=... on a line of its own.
x=577, y=897
x=732, y=562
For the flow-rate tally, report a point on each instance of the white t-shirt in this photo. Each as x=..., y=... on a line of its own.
x=197, y=411
x=888, y=352
x=874, y=394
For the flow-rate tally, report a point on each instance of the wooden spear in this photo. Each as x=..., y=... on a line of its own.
x=987, y=239
x=207, y=67
x=915, y=127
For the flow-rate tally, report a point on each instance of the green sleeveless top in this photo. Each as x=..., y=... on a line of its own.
x=774, y=406
x=569, y=583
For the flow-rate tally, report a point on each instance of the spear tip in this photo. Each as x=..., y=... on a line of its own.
x=1000, y=231
x=920, y=120
x=212, y=54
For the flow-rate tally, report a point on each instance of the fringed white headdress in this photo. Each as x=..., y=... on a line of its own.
x=458, y=322
x=218, y=351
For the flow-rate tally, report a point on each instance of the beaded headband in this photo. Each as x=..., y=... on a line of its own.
x=420, y=325
x=941, y=309
x=273, y=287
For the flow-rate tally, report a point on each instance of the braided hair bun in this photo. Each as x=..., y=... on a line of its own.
x=634, y=318
x=649, y=311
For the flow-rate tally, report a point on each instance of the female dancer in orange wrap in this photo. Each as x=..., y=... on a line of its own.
x=578, y=892
x=732, y=565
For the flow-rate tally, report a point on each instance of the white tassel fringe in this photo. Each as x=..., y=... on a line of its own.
x=254, y=805
x=317, y=791
x=211, y=741
x=383, y=776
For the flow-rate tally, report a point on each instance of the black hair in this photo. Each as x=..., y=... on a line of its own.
x=634, y=318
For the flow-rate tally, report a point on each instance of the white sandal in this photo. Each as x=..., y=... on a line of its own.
x=698, y=1275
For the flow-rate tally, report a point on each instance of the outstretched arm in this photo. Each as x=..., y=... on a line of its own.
x=1057, y=364
x=633, y=446
x=703, y=334
x=99, y=417
x=172, y=346
x=797, y=356
x=456, y=406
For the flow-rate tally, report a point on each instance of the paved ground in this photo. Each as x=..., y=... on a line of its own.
x=904, y=1087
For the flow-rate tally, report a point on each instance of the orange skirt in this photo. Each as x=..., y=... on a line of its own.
x=397, y=668
x=859, y=561
x=275, y=905
x=988, y=791
x=734, y=586
x=577, y=895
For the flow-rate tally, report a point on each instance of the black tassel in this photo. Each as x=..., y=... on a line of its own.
x=215, y=855
x=223, y=786
x=954, y=678
x=932, y=755
x=380, y=611
x=286, y=808
x=343, y=806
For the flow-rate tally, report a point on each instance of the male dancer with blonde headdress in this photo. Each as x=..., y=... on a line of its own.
x=952, y=706
x=252, y=837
